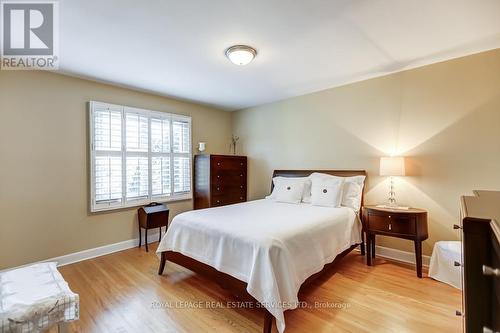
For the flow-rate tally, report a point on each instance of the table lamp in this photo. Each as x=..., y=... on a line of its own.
x=392, y=166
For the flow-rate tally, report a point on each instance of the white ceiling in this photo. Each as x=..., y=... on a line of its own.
x=176, y=47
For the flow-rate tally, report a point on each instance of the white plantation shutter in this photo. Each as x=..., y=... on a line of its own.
x=108, y=178
x=106, y=145
x=138, y=156
x=161, y=176
x=136, y=132
x=181, y=142
x=160, y=135
x=161, y=171
x=182, y=174
x=181, y=136
x=137, y=182
x=107, y=128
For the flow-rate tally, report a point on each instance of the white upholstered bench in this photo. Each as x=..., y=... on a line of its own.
x=35, y=298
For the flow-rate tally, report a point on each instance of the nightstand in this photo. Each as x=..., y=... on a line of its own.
x=408, y=224
x=154, y=215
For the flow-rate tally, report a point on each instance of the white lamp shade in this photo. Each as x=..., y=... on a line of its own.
x=392, y=166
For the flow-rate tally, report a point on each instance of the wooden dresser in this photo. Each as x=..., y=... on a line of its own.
x=481, y=260
x=219, y=180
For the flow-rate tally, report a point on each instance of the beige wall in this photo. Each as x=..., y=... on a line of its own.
x=43, y=163
x=445, y=117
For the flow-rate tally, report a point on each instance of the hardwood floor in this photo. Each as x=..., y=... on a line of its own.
x=122, y=292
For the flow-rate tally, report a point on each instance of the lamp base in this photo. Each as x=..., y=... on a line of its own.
x=393, y=207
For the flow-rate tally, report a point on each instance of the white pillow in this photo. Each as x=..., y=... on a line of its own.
x=326, y=192
x=276, y=181
x=352, y=189
x=306, y=195
x=351, y=195
x=289, y=190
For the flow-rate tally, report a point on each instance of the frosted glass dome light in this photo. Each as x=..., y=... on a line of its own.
x=241, y=54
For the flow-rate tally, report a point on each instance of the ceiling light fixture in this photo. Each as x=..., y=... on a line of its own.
x=241, y=54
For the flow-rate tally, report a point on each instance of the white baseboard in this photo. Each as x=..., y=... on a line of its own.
x=95, y=252
x=381, y=251
x=101, y=250
x=398, y=255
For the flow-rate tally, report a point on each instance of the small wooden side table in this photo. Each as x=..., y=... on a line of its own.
x=154, y=215
x=408, y=224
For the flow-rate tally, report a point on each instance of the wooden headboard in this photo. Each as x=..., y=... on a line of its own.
x=305, y=173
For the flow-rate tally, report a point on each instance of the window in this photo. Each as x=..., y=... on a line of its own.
x=137, y=156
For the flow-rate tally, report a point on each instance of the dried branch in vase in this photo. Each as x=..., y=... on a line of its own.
x=232, y=147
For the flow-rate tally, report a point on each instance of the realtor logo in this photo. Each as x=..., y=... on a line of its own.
x=29, y=36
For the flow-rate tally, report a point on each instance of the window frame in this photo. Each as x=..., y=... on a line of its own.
x=123, y=202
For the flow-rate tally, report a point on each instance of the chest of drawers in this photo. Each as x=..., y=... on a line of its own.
x=481, y=261
x=219, y=180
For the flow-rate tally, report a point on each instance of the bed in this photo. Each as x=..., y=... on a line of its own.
x=263, y=251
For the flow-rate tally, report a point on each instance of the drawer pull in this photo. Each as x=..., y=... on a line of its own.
x=241, y=186
x=241, y=175
x=241, y=198
x=456, y=264
x=456, y=226
x=218, y=176
x=390, y=227
x=390, y=216
x=218, y=163
x=218, y=189
x=488, y=271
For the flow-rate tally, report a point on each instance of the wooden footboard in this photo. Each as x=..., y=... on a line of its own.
x=237, y=287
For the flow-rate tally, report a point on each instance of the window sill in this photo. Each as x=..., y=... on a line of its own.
x=139, y=203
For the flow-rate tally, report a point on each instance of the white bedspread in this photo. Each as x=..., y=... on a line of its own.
x=273, y=247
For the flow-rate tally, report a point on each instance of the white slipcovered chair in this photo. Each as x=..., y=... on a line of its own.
x=442, y=266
